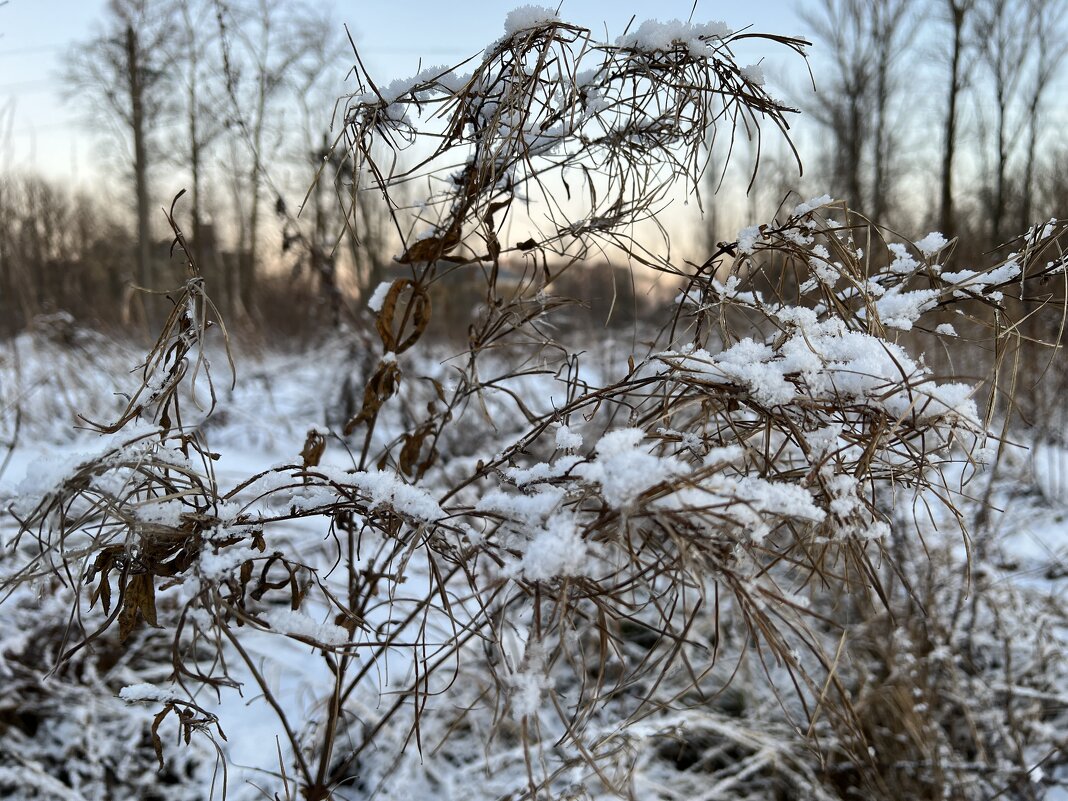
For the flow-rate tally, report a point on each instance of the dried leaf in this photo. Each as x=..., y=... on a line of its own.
x=157, y=742
x=430, y=249
x=139, y=600
x=314, y=445
x=382, y=386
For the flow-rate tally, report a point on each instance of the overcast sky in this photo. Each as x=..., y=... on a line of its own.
x=41, y=131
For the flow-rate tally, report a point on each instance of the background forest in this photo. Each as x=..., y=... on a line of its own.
x=925, y=113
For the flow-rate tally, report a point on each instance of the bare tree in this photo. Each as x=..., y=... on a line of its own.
x=121, y=76
x=865, y=40
x=891, y=30
x=844, y=104
x=195, y=66
x=1004, y=32
x=264, y=41
x=957, y=15
x=1050, y=45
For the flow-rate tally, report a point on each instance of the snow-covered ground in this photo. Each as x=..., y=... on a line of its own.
x=737, y=743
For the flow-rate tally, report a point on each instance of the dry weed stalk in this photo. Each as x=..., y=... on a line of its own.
x=586, y=573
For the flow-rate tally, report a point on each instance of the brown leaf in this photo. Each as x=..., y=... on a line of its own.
x=382, y=386
x=430, y=249
x=157, y=742
x=314, y=445
x=384, y=321
x=139, y=600
x=104, y=591
x=413, y=446
x=420, y=318
x=493, y=209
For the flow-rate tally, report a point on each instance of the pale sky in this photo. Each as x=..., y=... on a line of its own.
x=41, y=131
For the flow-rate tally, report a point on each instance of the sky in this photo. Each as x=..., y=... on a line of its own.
x=40, y=130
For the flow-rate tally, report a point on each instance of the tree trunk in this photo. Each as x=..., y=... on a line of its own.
x=947, y=222
x=137, y=124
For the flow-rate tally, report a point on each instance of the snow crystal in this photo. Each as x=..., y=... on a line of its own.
x=955, y=398
x=528, y=685
x=165, y=513
x=623, y=470
x=379, y=296
x=748, y=238
x=655, y=35
x=827, y=361
x=144, y=692
x=529, y=16
x=724, y=455
x=812, y=204
x=386, y=489
x=219, y=566
x=932, y=244
x=754, y=73
x=822, y=440
x=747, y=363
x=904, y=262
x=824, y=272
x=978, y=281
x=556, y=550
x=1038, y=233
x=946, y=330
x=900, y=310
x=567, y=440
x=750, y=502
x=528, y=509
x=521, y=476
x=394, y=90
x=297, y=624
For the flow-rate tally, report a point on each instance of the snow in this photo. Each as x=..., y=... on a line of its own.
x=932, y=244
x=979, y=281
x=396, y=89
x=748, y=239
x=904, y=263
x=900, y=309
x=219, y=565
x=544, y=503
x=529, y=16
x=378, y=297
x=139, y=693
x=542, y=471
x=811, y=205
x=556, y=549
x=567, y=440
x=652, y=35
x=301, y=625
x=624, y=470
x=754, y=74
x=824, y=360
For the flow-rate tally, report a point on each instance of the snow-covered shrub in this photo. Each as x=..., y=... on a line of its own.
x=675, y=575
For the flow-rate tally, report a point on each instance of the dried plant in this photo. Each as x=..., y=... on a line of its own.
x=570, y=584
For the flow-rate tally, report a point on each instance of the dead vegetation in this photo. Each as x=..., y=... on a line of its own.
x=715, y=560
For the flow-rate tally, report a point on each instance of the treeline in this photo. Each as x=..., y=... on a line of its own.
x=232, y=101
x=935, y=114
x=927, y=113
x=59, y=250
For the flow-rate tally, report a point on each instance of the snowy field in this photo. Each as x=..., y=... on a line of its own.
x=998, y=657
